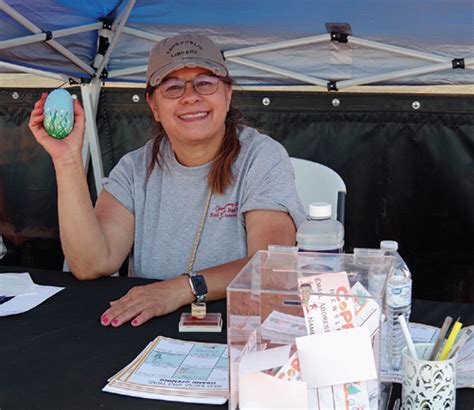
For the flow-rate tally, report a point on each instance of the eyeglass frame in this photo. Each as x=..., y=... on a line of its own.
x=184, y=82
x=150, y=89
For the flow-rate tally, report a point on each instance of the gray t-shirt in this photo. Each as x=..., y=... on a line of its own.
x=168, y=207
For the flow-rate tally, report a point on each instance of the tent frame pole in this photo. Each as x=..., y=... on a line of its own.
x=432, y=68
x=117, y=31
x=127, y=71
x=142, y=34
x=280, y=71
x=36, y=38
x=52, y=43
x=397, y=50
x=34, y=71
x=303, y=41
x=90, y=96
x=91, y=148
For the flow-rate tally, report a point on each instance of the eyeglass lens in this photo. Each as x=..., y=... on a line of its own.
x=175, y=87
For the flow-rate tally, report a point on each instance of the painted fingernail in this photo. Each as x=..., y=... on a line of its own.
x=104, y=319
x=134, y=322
x=115, y=322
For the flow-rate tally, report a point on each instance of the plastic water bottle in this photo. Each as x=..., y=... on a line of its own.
x=320, y=233
x=398, y=295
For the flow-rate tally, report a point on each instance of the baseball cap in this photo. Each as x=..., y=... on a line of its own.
x=184, y=50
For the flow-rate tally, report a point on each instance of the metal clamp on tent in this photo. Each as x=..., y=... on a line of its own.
x=104, y=39
x=107, y=23
x=339, y=37
x=104, y=74
x=49, y=35
x=103, y=42
x=332, y=86
x=458, y=63
x=339, y=31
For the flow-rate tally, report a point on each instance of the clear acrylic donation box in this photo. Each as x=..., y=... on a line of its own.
x=303, y=330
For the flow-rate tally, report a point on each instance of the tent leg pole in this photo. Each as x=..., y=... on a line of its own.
x=91, y=147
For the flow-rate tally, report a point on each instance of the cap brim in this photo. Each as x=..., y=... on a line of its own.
x=159, y=75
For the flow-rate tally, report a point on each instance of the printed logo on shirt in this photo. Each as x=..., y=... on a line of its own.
x=229, y=210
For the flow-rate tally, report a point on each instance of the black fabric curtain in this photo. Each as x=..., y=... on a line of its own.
x=409, y=171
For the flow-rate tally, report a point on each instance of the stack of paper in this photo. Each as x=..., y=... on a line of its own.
x=283, y=328
x=176, y=370
x=18, y=293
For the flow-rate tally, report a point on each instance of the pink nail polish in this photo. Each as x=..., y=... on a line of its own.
x=115, y=322
x=104, y=319
x=134, y=322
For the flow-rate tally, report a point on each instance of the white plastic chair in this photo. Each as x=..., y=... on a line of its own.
x=319, y=183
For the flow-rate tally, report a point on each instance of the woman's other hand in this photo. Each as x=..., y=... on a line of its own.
x=58, y=149
x=142, y=303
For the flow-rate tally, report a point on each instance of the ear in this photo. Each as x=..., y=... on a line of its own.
x=228, y=95
x=153, y=106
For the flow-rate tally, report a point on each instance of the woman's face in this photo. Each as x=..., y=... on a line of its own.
x=192, y=118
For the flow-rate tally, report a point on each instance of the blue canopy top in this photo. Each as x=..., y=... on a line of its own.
x=441, y=28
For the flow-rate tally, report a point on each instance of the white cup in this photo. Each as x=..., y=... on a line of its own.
x=428, y=384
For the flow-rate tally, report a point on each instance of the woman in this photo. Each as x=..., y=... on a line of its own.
x=199, y=199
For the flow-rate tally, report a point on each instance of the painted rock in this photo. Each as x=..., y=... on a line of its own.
x=58, y=113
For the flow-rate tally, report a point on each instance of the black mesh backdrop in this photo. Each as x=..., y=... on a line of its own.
x=409, y=173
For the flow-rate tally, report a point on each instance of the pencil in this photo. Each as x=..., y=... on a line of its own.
x=460, y=343
x=441, y=336
x=449, y=343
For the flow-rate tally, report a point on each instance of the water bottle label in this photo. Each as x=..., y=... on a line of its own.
x=399, y=296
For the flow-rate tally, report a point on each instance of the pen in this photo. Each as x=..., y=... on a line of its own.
x=441, y=336
x=460, y=343
x=406, y=333
x=449, y=343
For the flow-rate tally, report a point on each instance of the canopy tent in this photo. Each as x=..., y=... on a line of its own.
x=327, y=43
x=407, y=162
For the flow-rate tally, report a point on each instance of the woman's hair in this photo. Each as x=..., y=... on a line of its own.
x=220, y=175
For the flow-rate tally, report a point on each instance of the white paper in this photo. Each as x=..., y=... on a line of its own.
x=261, y=391
x=282, y=328
x=336, y=357
x=177, y=370
x=327, y=314
x=14, y=284
x=421, y=333
x=367, y=310
x=168, y=397
x=184, y=365
x=350, y=396
x=23, y=303
x=264, y=359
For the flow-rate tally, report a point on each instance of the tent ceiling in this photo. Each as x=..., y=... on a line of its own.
x=424, y=38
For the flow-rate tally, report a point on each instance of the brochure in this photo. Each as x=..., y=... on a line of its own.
x=176, y=370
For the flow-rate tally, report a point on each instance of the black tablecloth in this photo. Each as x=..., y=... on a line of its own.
x=58, y=356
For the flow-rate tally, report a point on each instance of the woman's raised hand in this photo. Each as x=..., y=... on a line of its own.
x=58, y=149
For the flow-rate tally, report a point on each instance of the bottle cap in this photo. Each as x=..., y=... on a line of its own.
x=320, y=210
x=389, y=245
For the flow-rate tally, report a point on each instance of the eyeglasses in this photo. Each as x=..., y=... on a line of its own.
x=175, y=87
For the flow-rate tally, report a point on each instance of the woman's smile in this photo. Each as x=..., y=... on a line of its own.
x=194, y=116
